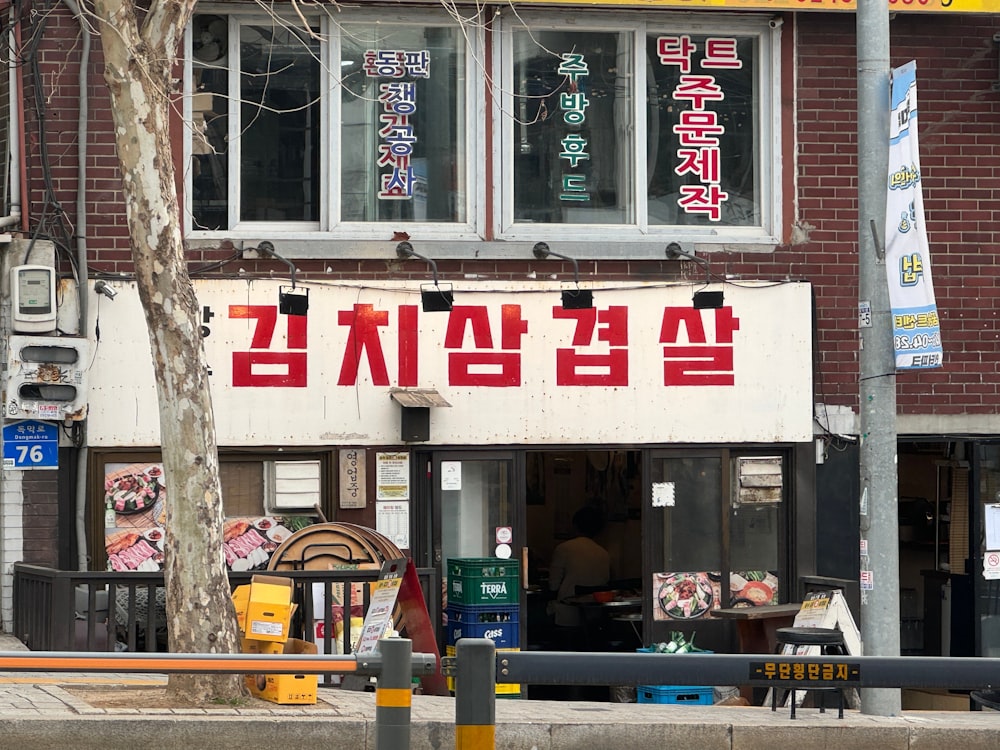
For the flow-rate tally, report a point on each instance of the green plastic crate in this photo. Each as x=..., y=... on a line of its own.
x=483, y=580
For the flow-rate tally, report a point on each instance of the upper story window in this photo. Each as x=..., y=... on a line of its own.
x=605, y=128
x=638, y=128
x=340, y=127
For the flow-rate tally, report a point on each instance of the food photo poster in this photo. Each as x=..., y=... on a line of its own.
x=135, y=498
x=688, y=595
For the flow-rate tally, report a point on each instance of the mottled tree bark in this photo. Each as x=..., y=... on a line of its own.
x=140, y=55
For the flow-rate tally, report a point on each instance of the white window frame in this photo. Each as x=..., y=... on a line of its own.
x=330, y=225
x=593, y=239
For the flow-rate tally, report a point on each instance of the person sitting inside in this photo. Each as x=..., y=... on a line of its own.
x=579, y=561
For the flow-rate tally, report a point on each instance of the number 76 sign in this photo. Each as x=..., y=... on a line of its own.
x=30, y=444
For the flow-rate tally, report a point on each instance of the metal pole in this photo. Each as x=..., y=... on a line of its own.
x=475, y=694
x=877, y=407
x=393, y=695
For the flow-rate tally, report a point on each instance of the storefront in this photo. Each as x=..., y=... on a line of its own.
x=478, y=432
x=947, y=491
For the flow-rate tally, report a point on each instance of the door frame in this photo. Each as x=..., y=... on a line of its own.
x=427, y=551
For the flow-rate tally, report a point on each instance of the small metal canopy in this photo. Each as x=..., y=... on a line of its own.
x=415, y=414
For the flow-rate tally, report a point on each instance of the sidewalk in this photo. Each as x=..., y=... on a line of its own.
x=37, y=711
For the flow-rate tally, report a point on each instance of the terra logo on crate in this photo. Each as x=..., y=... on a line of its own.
x=493, y=590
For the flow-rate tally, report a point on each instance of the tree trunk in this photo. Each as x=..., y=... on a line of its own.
x=139, y=62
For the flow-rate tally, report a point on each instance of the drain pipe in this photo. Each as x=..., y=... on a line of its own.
x=15, y=145
x=82, y=286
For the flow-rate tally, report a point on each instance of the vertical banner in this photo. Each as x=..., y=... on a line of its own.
x=916, y=334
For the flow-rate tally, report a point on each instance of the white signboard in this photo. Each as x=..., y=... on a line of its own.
x=392, y=520
x=642, y=366
x=378, y=619
x=451, y=475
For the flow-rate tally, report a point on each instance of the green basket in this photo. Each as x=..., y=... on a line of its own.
x=483, y=580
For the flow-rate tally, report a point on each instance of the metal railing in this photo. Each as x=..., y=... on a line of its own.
x=60, y=610
x=478, y=667
x=393, y=664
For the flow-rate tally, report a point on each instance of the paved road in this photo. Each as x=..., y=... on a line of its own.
x=37, y=712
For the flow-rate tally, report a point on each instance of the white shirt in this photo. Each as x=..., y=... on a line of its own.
x=576, y=562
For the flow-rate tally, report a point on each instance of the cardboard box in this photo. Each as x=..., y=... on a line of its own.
x=241, y=599
x=934, y=700
x=288, y=689
x=269, y=609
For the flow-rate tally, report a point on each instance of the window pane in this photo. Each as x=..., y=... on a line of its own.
x=209, y=123
x=702, y=134
x=403, y=128
x=572, y=115
x=242, y=487
x=280, y=120
x=471, y=515
x=692, y=538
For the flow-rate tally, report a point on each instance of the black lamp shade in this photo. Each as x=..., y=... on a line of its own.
x=708, y=300
x=577, y=299
x=293, y=302
x=435, y=299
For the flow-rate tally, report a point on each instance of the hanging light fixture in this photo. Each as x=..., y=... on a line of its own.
x=290, y=300
x=701, y=299
x=572, y=299
x=433, y=297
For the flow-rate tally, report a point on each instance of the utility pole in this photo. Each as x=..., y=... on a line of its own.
x=877, y=406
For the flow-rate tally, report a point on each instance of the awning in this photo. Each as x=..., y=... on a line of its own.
x=415, y=398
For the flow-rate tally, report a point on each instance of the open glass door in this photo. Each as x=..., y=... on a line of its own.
x=477, y=513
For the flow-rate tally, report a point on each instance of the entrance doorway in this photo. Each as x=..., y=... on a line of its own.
x=558, y=485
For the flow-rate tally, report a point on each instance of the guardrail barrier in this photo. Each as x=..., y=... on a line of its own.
x=393, y=664
x=477, y=666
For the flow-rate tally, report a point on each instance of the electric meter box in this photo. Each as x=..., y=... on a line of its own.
x=47, y=378
x=33, y=299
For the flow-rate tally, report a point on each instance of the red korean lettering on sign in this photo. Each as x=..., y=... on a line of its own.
x=574, y=367
x=698, y=129
x=721, y=52
x=263, y=366
x=487, y=365
x=698, y=89
x=691, y=359
x=675, y=50
x=364, y=341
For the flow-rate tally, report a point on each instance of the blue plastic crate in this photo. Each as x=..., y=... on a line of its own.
x=498, y=623
x=686, y=695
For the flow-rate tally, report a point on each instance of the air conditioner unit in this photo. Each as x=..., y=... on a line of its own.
x=292, y=485
x=47, y=378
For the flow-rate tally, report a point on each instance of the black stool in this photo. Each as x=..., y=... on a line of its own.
x=830, y=642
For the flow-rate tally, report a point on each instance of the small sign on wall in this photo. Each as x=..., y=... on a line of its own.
x=392, y=476
x=353, y=487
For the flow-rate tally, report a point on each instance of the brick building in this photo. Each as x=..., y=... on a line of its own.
x=511, y=160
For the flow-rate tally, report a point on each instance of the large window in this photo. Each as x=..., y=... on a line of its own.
x=637, y=128
x=605, y=127
x=343, y=126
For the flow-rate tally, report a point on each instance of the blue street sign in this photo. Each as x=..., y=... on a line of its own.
x=30, y=444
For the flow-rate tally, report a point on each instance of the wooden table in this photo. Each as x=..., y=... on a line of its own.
x=757, y=626
x=757, y=630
